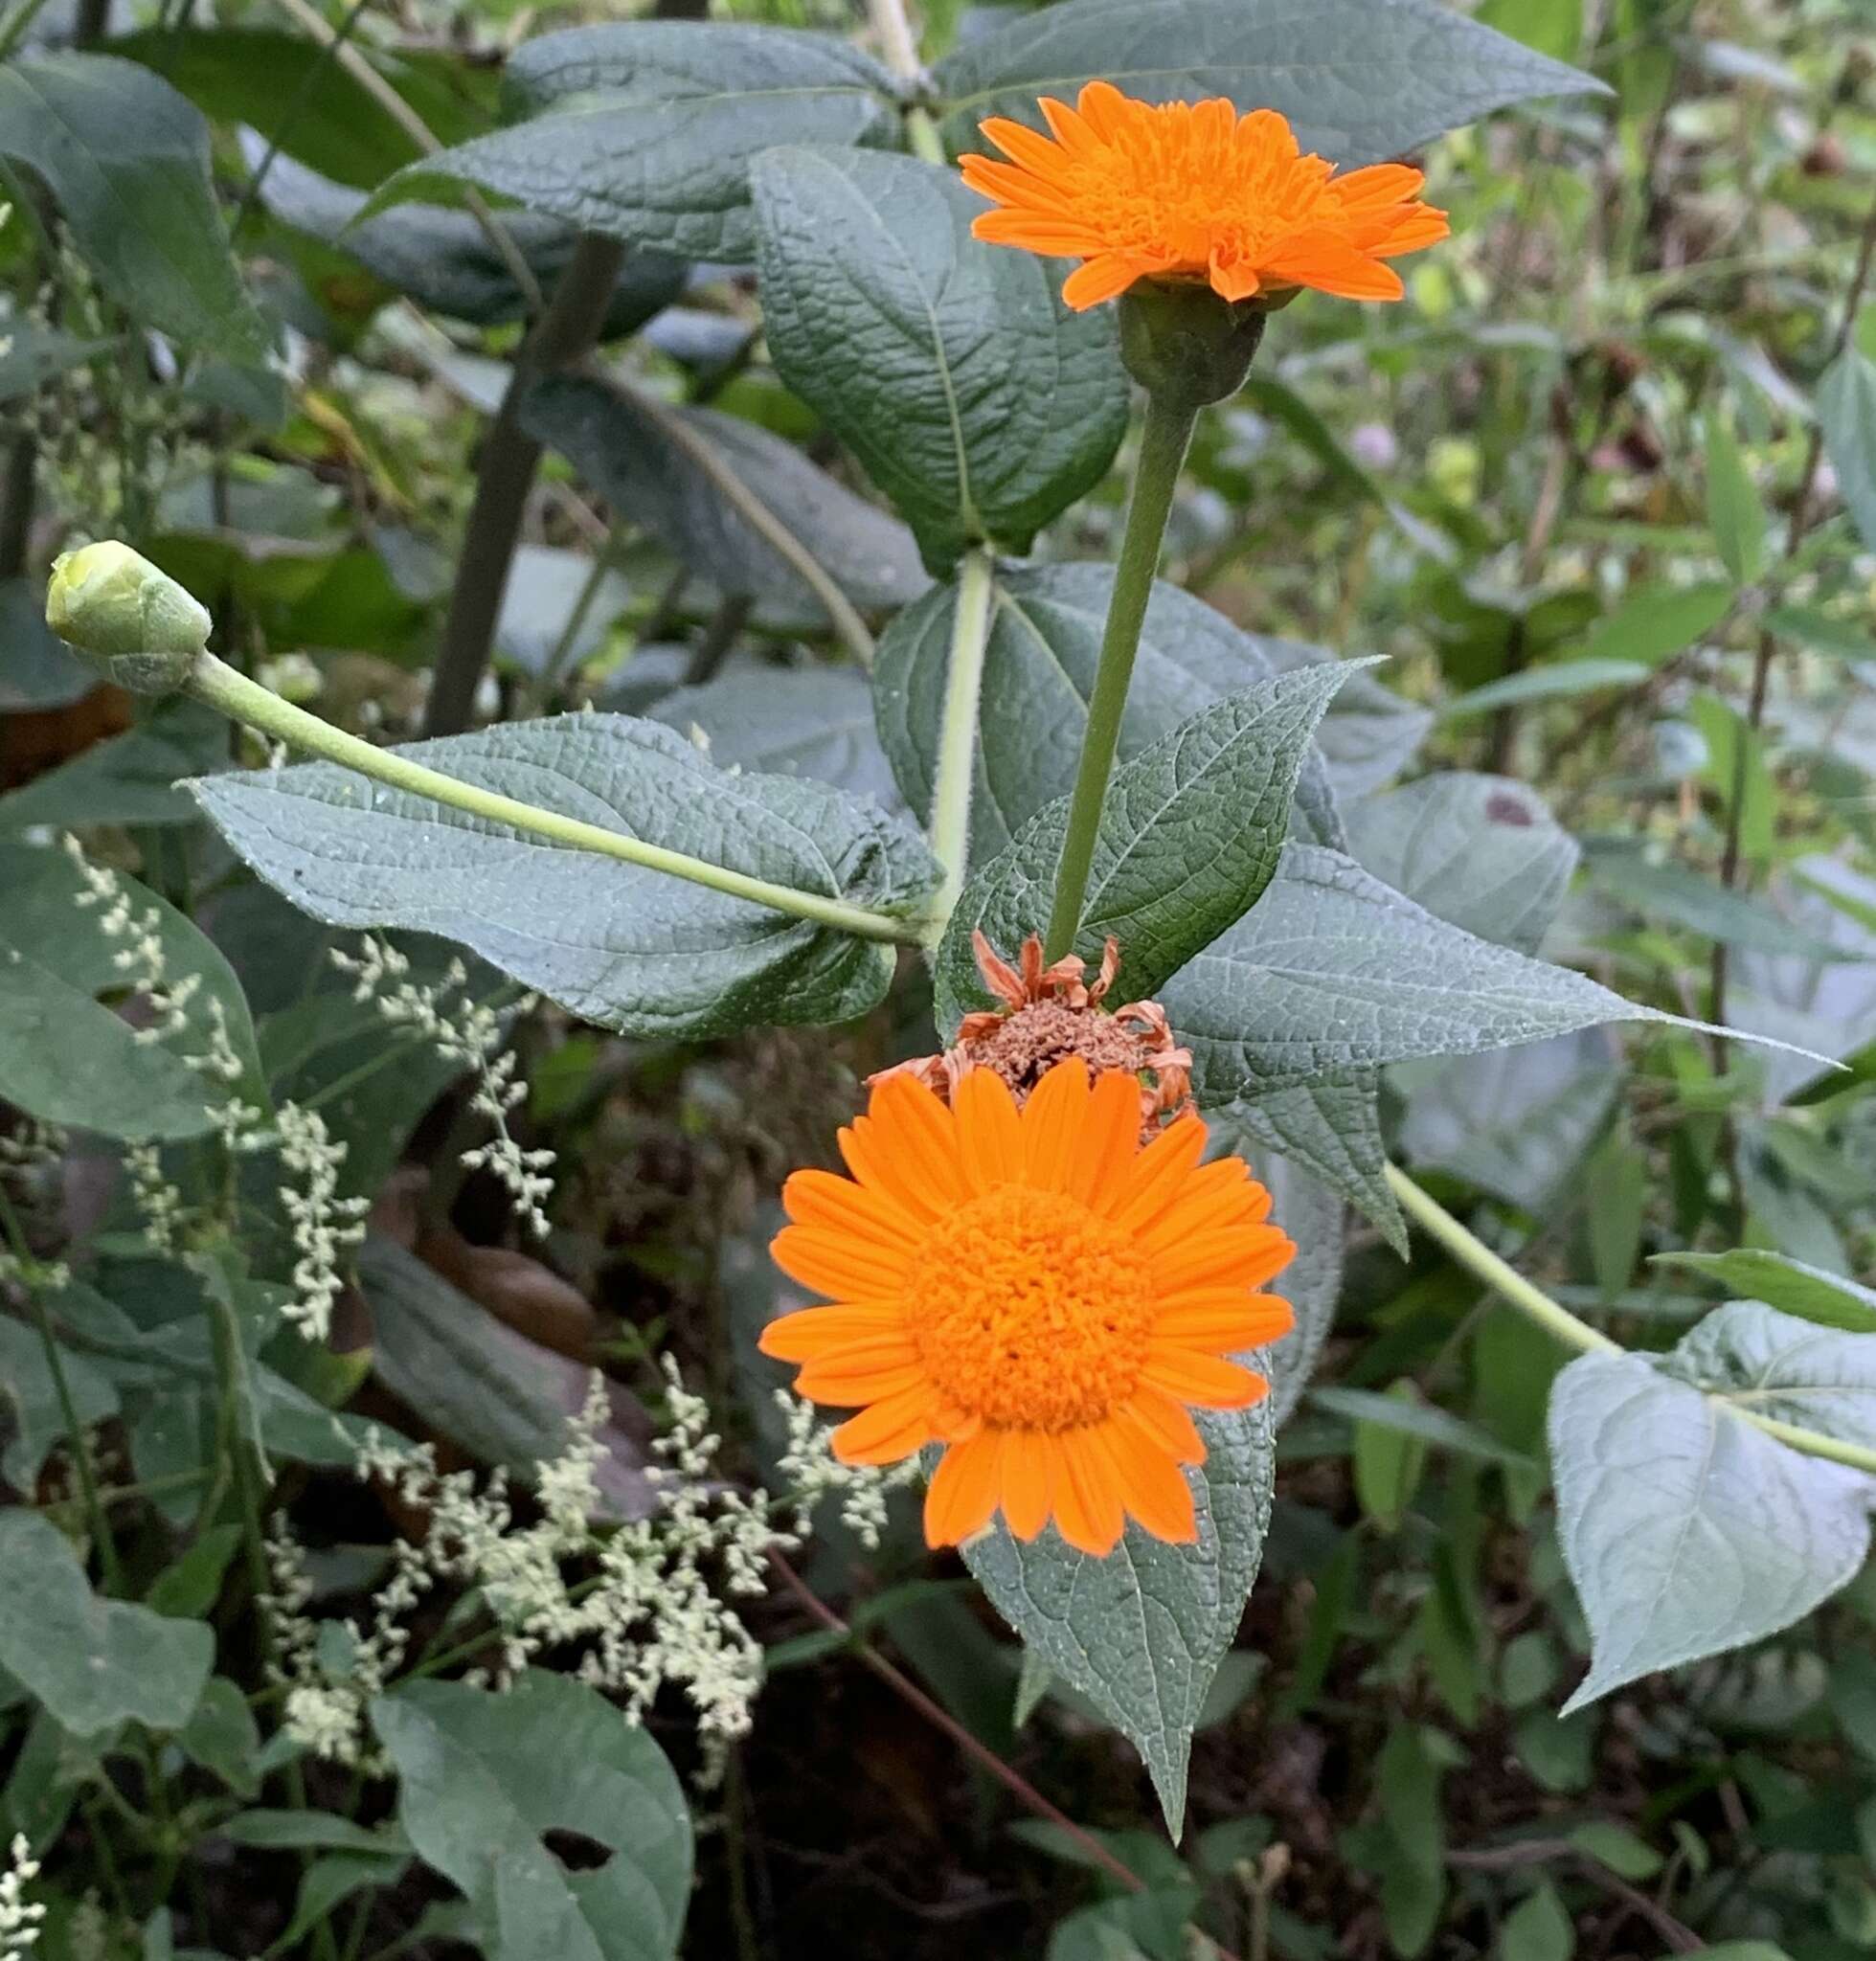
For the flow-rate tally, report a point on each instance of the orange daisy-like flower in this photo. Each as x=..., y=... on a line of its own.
x=1194, y=190
x=1035, y=1290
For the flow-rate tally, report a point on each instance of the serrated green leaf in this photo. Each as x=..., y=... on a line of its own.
x=661, y=469
x=788, y=721
x=1687, y=1531
x=1478, y=851
x=632, y=949
x=92, y=1663
x=127, y=161
x=1357, y=84
x=1332, y=971
x=1735, y=513
x=645, y=130
x=1846, y=417
x=977, y=401
x=442, y=259
x=483, y=1777
x=1812, y=1294
x=1039, y=666
x=1190, y=835
x=1141, y=1631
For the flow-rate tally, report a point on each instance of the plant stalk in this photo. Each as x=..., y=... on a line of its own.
x=1472, y=1253
x=212, y=681
x=1164, y=440
x=504, y=477
x=957, y=751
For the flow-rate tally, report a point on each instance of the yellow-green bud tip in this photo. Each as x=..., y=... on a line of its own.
x=111, y=603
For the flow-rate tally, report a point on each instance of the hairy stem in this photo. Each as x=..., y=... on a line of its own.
x=504, y=477
x=1510, y=1285
x=957, y=752
x=212, y=681
x=1163, y=443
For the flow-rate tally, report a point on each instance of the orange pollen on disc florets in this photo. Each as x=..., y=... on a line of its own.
x=1030, y=1312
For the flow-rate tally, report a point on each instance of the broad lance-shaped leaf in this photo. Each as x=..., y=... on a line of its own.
x=1333, y=972
x=127, y=161
x=442, y=259
x=645, y=130
x=483, y=1777
x=637, y=949
x=1190, y=836
x=1039, y=669
x=1789, y=1285
x=1360, y=81
x=1687, y=1530
x=1141, y=1633
x=667, y=469
x=977, y=401
x=92, y=1663
x=1846, y=415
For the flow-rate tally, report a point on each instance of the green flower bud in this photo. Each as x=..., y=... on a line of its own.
x=1183, y=344
x=112, y=603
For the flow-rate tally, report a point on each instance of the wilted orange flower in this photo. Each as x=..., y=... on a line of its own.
x=1194, y=190
x=1035, y=1290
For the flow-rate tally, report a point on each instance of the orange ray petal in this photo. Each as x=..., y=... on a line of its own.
x=852, y=1382
x=963, y=1490
x=1230, y=1257
x=1109, y=1141
x=1158, y=1175
x=1224, y=1322
x=917, y=1127
x=888, y=1430
x=989, y=1131
x=1152, y=1486
x=1088, y=1510
x=1029, y=1481
x=1051, y=1124
x=1202, y=1379
x=1167, y=1421
x=815, y=1331
x=820, y=1198
x=842, y=1267
x=874, y=1165
x=1331, y=265
x=1103, y=278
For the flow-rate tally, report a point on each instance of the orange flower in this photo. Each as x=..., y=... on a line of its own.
x=1194, y=190
x=1034, y=1290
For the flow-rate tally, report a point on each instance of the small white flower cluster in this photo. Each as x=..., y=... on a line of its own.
x=142, y=959
x=19, y=1917
x=648, y=1607
x=323, y=1222
x=235, y=1122
x=159, y=1201
x=814, y=1473
x=467, y=1032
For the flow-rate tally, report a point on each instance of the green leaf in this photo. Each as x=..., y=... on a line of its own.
x=1141, y=1631
x=975, y=398
x=1190, y=835
x=1401, y=1411
x=483, y=1777
x=32, y=355
x=1822, y=633
x=633, y=949
x=328, y=1883
x=442, y=259
x=191, y=1585
x=1537, y=1928
x=222, y=1736
x=65, y=1059
x=40, y=671
x=1655, y=623
x=489, y=1388
x=788, y=721
x=127, y=161
x=27, y=1381
x=664, y=469
x=1812, y=1294
x=1690, y=899
x=1390, y=1455
x=310, y=1831
x=1734, y=511
x=1551, y=683
x=645, y=130
x=1687, y=1531
x=1331, y=1128
x=1480, y=852
x=92, y=1663
x=1411, y=1835
x=1039, y=666
x=1333, y=972
x=1846, y=416
x=1617, y=1848
x=126, y=778
x=1359, y=84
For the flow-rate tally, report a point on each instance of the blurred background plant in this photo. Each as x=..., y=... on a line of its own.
x=1603, y=491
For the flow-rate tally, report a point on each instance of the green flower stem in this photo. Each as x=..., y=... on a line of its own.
x=1166, y=437
x=923, y=133
x=957, y=751
x=1470, y=1251
x=215, y=681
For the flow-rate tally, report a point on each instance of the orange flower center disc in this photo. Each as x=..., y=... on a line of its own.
x=1030, y=1312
